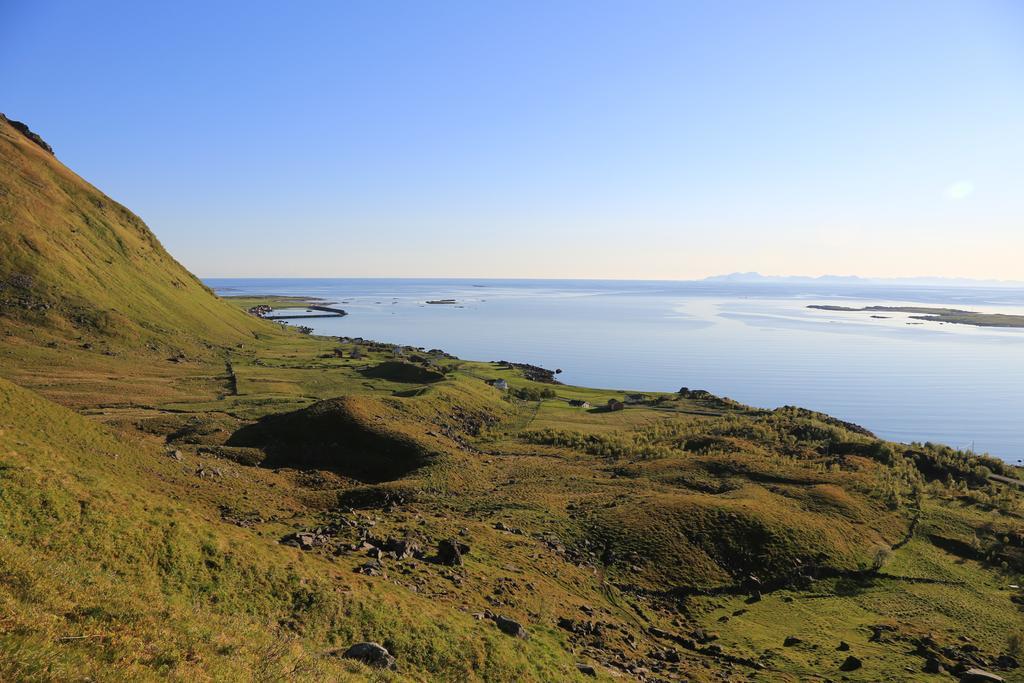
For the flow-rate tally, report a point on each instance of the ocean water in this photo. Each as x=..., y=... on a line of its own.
x=756, y=343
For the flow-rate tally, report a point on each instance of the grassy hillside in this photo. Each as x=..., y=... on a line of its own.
x=188, y=492
x=77, y=267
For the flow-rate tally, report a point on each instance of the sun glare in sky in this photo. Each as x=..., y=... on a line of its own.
x=961, y=189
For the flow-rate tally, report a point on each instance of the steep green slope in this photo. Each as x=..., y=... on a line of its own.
x=74, y=264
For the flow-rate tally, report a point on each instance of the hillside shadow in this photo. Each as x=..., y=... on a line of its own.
x=329, y=436
x=399, y=371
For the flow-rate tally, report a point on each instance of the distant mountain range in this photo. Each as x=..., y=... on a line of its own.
x=753, y=277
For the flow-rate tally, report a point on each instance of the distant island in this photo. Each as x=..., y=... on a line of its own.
x=925, y=281
x=941, y=315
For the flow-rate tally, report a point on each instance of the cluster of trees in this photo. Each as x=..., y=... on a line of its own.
x=616, y=445
x=940, y=462
x=532, y=393
x=992, y=495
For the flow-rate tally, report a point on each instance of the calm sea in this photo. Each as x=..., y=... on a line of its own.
x=756, y=343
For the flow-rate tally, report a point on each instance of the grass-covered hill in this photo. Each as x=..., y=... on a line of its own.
x=76, y=266
x=254, y=503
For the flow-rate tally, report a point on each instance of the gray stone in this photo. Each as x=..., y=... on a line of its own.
x=509, y=627
x=371, y=654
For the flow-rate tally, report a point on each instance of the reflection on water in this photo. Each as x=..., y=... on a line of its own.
x=758, y=344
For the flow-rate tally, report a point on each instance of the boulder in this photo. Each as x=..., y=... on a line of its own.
x=509, y=627
x=843, y=646
x=450, y=552
x=851, y=663
x=587, y=670
x=1005, y=661
x=371, y=654
x=790, y=641
x=933, y=666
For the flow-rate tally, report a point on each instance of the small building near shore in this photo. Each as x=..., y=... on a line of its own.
x=615, y=404
x=499, y=384
x=577, y=403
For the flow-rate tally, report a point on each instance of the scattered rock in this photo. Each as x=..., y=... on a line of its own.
x=933, y=666
x=175, y=455
x=878, y=633
x=581, y=628
x=587, y=670
x=403, y=549
x=371, y=568
x=851, y=663
x=307, y=540
x=980, y=676
x=371, y=654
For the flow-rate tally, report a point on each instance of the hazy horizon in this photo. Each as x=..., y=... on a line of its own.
x=831, y=278
x=662, y=141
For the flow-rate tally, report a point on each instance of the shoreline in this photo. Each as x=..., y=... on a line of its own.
x=1008, y=455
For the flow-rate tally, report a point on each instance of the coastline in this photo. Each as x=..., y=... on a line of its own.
x=365, y=322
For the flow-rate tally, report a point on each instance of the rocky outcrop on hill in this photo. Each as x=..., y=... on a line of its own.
x=27, y=132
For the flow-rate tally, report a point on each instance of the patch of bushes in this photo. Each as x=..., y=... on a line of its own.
x=531, y=393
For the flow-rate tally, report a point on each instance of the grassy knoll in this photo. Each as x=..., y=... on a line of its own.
x=227, y=499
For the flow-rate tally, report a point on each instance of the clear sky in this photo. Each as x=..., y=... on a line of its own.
x=663, y=140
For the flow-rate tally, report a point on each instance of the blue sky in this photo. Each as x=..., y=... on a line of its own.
x=663, y=140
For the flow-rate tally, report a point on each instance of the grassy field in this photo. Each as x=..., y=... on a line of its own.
x=157, y=473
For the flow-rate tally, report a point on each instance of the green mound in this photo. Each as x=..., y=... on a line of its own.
x=355, y=437
x=399, y=371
